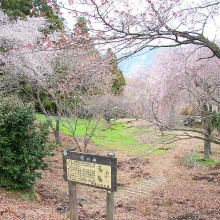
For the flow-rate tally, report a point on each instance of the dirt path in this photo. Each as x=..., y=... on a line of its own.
x=139, y=190
x=173, y=191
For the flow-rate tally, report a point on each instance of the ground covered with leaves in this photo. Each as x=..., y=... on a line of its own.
x=191, y=190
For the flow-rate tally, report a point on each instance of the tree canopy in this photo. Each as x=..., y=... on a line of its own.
x=134, y=25
x=23, y=8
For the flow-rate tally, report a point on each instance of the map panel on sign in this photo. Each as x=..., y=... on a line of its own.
x=89, y=173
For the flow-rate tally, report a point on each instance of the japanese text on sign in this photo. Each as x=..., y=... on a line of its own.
x=89, y=173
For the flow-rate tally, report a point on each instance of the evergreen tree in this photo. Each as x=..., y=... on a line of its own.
x=81, y=28
x=81, y=34
x=118, y=80
x=23, y=8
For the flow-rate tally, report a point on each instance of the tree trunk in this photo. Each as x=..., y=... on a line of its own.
x=57, y=131
x=171, y=117
x=207, y=130
x=207, y=145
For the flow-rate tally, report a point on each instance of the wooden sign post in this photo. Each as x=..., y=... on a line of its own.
x=110, y=199
x=73, y=201
x=92, y=170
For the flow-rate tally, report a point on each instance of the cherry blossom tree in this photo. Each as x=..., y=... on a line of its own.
x=183, y=79
x=136, y=96
x=50, y=75
x=134, y=25
x=26, y=55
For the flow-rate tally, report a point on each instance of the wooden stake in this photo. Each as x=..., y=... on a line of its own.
x=110, y=198
x=110, y=205
x=73, y=201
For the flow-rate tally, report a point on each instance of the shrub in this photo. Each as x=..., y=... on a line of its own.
x=22, y=145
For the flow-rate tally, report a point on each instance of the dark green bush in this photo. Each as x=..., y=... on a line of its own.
x=22, y=145
x=215, y=120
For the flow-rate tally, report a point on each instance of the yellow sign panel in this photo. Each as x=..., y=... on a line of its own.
x=89, y=173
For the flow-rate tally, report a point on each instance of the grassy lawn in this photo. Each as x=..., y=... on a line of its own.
x=198, y=159
x=208, y=162
x=118, y=136
x=65, y=125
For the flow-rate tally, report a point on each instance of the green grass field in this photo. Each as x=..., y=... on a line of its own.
x=208, y=162
x=118, y=136
x=65, y=125
x=198, y=159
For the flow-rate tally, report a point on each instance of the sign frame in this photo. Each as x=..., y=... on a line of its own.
x=93, y=159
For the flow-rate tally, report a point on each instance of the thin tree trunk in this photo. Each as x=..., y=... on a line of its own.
x=57, y=128
x=57, y=132
x=171, y=118
x=207, y=145
x=207, y=130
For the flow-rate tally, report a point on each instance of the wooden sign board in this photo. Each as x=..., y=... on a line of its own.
x=90, y=169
